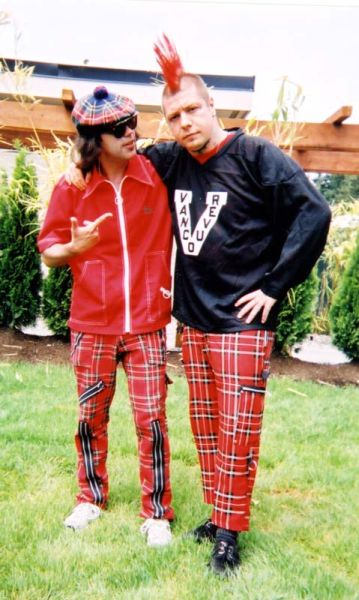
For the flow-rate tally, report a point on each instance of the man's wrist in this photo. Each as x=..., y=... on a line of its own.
x=71, y=250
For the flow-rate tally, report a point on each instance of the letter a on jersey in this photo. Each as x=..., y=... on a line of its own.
x=193, y=242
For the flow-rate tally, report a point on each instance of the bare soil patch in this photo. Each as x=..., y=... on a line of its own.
x=16, y=346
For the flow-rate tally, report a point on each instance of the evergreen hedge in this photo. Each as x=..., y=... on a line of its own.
x=344, y=313
x=20, y=264
x=296, y=313
x=56, y=299
x=3, y=240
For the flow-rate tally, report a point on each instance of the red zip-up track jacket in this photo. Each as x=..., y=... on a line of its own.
x=123, y=284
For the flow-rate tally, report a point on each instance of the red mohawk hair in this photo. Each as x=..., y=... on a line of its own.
x=170, y=62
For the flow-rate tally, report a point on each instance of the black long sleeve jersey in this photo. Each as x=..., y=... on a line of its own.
x=247, y=219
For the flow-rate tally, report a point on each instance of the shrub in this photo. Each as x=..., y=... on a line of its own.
x=20, y=265
x=296, y=313
x=340, y=245
x=56, y=300
x=344, y=313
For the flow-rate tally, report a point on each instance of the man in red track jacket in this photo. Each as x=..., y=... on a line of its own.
x=116, y=236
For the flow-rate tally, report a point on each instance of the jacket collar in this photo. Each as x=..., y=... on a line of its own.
x=136, y=169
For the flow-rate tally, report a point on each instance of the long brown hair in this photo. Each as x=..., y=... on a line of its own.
x=86, y=152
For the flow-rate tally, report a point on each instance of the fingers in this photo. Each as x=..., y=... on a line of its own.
x=102, y=218
x=93, y=225
x=74, y=177
x=77, y=178
x=245, y=298
x=252, y=304
x=265, y=312
x=74, y=224
x=249, y=311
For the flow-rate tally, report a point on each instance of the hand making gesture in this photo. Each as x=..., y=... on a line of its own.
x=86, y=236
x=83, y=237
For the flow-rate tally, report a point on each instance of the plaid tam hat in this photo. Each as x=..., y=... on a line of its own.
x=101, y=107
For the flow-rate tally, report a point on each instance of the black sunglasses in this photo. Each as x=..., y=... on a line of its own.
x=118, y=129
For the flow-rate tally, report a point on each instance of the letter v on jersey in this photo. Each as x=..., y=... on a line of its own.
x=193, y=242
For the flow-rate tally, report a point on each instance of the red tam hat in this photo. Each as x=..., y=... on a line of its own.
x=170, y=62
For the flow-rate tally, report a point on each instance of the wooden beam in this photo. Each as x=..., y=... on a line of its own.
x=309, y=136
x=55, y=118
x=21, y=120
x=68, y=99
x=322, y=147
x=340, y=115
x=344, y=163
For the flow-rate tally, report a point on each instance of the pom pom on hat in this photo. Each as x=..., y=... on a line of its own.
x=100, y=92
x=101, y=107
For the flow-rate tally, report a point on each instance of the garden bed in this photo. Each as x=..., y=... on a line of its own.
x=16, y=346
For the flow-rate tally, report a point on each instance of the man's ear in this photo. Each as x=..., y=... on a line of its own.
x=211, y=104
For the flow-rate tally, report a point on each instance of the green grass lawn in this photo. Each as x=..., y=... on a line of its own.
x=304, y=537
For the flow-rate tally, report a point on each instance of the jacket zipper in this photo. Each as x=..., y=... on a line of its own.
x=126, y=262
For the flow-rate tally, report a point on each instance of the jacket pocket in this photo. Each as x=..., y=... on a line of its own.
x=88, y=305
x=158, y=286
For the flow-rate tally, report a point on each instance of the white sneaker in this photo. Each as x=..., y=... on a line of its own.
x=81, y=515
x=157, y=531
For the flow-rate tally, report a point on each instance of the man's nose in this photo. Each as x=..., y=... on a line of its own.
x=185, y=119
x=129, y=133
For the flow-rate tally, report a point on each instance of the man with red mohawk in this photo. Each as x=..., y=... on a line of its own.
x=249, y=225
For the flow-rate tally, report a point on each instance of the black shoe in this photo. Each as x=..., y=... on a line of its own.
x=204, y=532
x=225, y=557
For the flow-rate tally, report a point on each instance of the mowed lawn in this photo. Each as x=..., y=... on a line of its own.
x=305, y=516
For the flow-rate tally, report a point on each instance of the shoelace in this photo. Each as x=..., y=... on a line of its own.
x=222, y=547
x=226, y=549
x=230, y=553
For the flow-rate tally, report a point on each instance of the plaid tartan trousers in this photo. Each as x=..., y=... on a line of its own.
x=95, y=359
x=227, y=376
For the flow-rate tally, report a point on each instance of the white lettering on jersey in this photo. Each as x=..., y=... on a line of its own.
x=192, y=243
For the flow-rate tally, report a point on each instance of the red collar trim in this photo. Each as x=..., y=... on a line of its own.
x=136, y=169
x=202, y=158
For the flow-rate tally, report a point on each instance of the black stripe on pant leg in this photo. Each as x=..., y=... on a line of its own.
x=254, y=389
x=158, y=469
x=91, y=391
x=77, y=341
x=85, y=438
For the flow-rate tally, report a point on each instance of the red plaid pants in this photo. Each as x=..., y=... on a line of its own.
x=227, y=376
x=95, y=359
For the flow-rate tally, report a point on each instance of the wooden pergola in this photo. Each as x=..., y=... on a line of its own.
x=328, y=147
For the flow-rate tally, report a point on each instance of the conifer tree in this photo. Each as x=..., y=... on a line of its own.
x=296, y=313
x=56, y=299
x=3, y=240
x=344, y=313
x=20, y=264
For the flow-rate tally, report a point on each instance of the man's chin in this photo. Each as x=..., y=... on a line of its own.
x=195, y=146
x=129, y=151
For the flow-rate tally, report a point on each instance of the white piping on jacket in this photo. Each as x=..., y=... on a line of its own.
x=126, y=261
